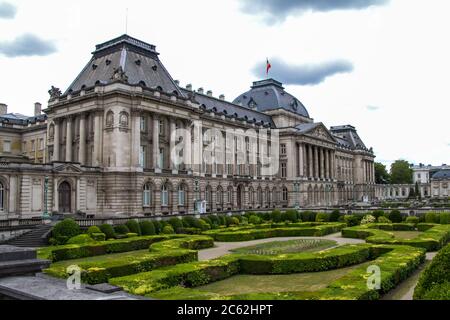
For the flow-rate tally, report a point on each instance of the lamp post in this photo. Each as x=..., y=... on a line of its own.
x=46, y=215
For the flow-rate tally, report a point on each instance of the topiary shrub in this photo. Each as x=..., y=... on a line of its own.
x=378, y=213
x=93, y=229
x=158, y=226
x=108, y=230
x=121, y=229
x=132, y=235
x=98, y=236
x=322, y=217
x=65, y=230
x=215, y=221
x=176, y=224
x=133, y=226
x=254, y=220
x=368, y=219
x=335, y=215
x=232, y=221
x=80, y=239
x=351, y=220
x=412, y=219
x=168, y=230
x=275, y=216
x=395, y=216
x=383, y=219
x=444, y=218
x=290, y=215
x=308, y=216
x=222, y=220
x=147, y=228
x=204, y=225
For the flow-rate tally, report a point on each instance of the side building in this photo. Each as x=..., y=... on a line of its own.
x=108, y=144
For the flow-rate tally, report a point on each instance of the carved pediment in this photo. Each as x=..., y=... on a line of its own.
x=67, y=168
x=322, y=132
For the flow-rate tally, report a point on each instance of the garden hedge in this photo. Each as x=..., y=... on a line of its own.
x=164, y=253
x=434, y=282
x=179, y=282
x=433, y=237
x=274, y=231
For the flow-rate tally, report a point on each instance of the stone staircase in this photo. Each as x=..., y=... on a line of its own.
x=33, y=239
x=16, y=261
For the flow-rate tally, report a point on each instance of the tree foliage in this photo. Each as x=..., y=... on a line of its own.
x=401, y=173
x=381, y=174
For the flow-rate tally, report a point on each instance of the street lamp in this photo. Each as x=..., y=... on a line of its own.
x=46, y=215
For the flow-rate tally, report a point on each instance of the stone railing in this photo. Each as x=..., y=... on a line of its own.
x=19, y=223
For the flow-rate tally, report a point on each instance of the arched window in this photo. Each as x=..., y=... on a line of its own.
x=208, y=195
x=2, y=197
x=259, y=197
x=285, y=194
x=51, y=131
x=251, y=196
x=147, y=195
x=181, y=195
x=230, y=194
x=110, y=119
x=164, y=196
x=219, y=195
x=124, y=119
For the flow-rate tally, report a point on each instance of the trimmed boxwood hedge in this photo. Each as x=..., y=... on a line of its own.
x=274, y=231
x=164, y=253
x=434, y=282
x=179, y=282
x=433, y=237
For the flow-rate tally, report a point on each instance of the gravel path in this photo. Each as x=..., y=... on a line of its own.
x=224, y=248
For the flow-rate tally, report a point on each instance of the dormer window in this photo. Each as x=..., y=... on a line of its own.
x=142, y=84
x=108, y=62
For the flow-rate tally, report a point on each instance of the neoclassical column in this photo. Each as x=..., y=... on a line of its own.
x=333, y=164
x=97, y=137
x=172, y=137
x=316, y=162
x=82, y=148
x=310, y=161
x=301, y=157
x=187, y=147
x=156, y=164
x=69, y=139
x=327, y=167
x=136, y=138
x=56, y=140
x=322, y=164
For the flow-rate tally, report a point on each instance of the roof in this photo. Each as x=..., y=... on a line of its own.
x=347, y=137
x=229, y=109
x=442, y=175
x=137, y=60
x=20, y=119
x=268, y=95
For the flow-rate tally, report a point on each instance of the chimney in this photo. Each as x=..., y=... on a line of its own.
x=37, y=109
x=222, y=97
x=3, y=109
x=209, y=93
x=189, y=87
x=200, y=90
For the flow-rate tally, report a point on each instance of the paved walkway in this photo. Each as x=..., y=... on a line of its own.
x=224, y=248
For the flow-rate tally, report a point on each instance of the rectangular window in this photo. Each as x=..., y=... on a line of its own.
x=161, y=127
x=143, y=122
x=33, y=145
x=41, y=144
x=142, y=156
x=283, y=170
x=6, y=146
x=283, y=149
x=181, y=197
x=161, y=158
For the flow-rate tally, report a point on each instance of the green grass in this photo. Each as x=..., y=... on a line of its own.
x=292, y=246
x=302, y=282
x=406, y=235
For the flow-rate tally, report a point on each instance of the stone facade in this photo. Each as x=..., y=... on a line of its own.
x=109, y=143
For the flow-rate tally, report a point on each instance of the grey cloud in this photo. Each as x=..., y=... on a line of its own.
x=310, y=74
x=27, y=45
x=278, y=10
x=373, y=108
x=7, y=10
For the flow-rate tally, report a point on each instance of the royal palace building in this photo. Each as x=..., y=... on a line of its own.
x=107, y=146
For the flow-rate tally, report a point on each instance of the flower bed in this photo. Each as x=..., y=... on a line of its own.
x=179, y=282
x=275, y=231
x=433, y=237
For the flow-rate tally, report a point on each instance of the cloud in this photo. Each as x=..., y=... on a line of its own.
x=373, y=108
x=274, y=11
x=27, y=45
x=311, y=74
x=7, y=10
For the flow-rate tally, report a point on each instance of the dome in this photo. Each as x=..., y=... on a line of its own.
x=268, y=95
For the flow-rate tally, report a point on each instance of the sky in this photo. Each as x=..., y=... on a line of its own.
x=379, y=65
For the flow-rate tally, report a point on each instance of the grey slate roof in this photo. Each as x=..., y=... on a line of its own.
x=347, y=137
x=229, y=109
x=270, y=95
x=442, y=175
x=139, y=61
x=20, y=119
x=306, y=127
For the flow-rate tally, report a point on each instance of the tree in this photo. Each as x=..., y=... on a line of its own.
x=417, y=191
x=401, y=173
x=381, y=174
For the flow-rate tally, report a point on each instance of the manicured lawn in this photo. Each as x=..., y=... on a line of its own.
x=302, y=282
x=406, y=235
x=292, y=246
